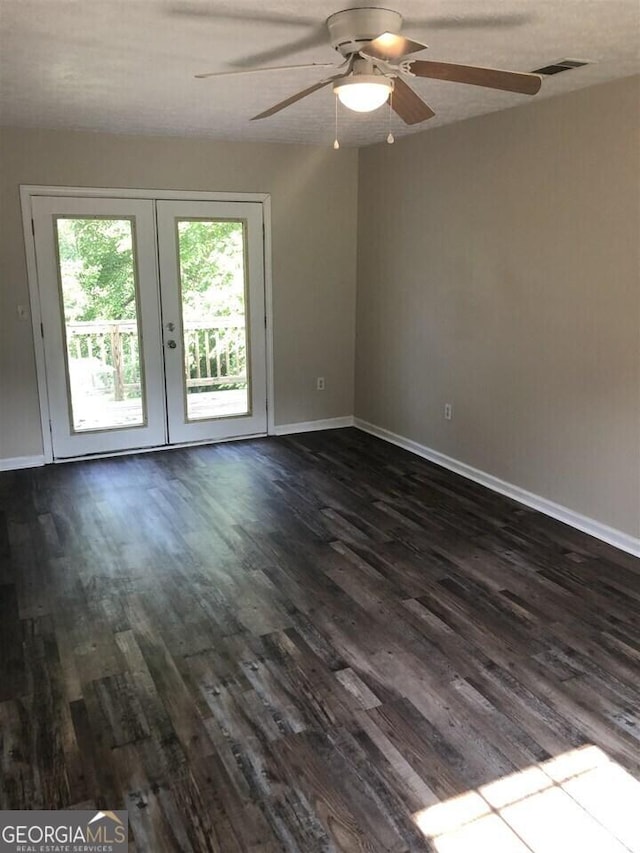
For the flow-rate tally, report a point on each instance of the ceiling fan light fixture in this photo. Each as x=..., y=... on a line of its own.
x=363, y=93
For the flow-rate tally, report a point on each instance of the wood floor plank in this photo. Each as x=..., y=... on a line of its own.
x=17, y=789
x=302, y=644
x=12, y=664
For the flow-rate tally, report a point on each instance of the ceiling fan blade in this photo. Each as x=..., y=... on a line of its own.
x=297, y=97
x=509, y=81
x=390, y=46
x=457, y=22
x=195, y=10
x=411, y=108
x=268, y=68
x=316, y=38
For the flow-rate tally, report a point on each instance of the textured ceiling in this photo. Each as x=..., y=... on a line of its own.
x=128, y=65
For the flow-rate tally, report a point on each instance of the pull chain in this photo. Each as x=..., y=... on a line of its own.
x=390, y=137
x=336, y=144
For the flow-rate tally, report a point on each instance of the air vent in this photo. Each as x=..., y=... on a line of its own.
x=560, y=65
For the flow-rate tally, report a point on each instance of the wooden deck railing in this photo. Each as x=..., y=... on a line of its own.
x=215, y=354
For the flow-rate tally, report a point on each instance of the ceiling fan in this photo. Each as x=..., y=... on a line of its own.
x=377, y=63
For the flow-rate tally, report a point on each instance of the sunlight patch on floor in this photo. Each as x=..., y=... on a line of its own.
x=580, y=800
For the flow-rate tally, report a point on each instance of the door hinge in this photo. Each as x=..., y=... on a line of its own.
x=33, y=228
x=41, y=330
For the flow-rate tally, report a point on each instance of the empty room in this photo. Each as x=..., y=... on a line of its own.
x=319, y=426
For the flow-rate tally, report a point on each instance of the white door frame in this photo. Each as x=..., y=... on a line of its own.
x=27, y=192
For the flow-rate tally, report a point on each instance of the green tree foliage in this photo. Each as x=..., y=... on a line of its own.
x=96, y=260
x=211, y=267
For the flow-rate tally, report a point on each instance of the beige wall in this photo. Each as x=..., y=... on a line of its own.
x=498, y=270
x=314, y=203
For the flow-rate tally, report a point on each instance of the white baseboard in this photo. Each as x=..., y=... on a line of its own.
x=21, y=462
x=614, y=537
x=311, y=426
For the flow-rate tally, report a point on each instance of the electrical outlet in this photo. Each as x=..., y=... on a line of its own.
x=448, y=411
x=320, y=383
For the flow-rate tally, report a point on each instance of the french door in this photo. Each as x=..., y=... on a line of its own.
x=153, y=321
x=212, y=294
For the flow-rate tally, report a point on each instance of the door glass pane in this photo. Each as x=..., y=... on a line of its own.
x=213, y=298
x=100, y=305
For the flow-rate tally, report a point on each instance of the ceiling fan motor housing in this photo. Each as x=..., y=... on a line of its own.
x=351, y=29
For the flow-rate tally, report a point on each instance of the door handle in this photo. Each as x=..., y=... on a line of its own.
x=172, y=344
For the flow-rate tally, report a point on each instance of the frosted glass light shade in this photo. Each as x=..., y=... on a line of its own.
x=363, y=93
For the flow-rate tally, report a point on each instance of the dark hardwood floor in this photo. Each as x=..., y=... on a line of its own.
x=306, y=644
